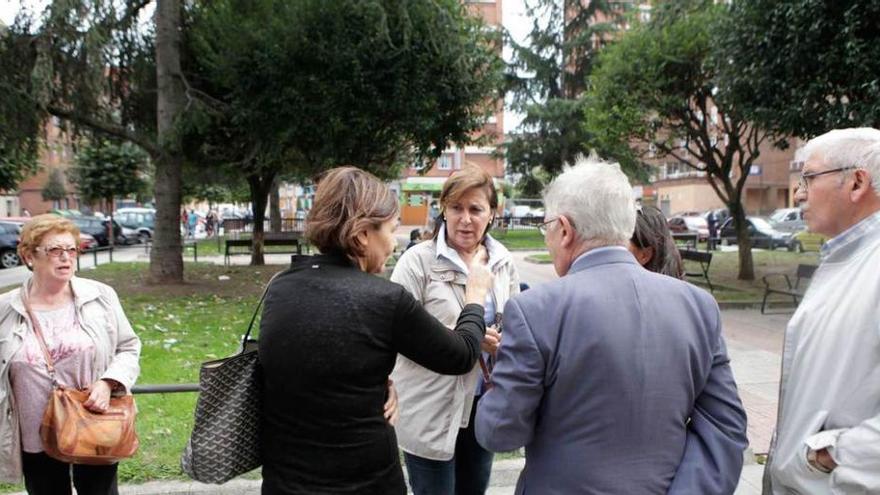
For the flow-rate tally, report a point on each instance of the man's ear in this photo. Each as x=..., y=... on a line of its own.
x=566, y=232
x=861, y=185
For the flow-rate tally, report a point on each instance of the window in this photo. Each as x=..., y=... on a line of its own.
x=445, y=162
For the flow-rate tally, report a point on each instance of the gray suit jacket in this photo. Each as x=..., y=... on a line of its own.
x=616, y=380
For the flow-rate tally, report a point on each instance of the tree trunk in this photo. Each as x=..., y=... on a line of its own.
x=744, y=241
x=112, y=235
x=166, y=257
x=259, y=187
x=275, y=207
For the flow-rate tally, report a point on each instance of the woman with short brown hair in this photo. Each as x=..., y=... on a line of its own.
x=330, y=333
x=440, y=450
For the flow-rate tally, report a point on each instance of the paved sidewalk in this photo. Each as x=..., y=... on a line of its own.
x=503, y=482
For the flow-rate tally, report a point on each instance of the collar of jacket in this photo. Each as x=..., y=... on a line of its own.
x=334, y=258
x=83, y=292
x=602, y=256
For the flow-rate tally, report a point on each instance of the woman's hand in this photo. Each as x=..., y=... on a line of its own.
x=99, y=397
x=491, y=340
x=392, y=413
x=480, y=278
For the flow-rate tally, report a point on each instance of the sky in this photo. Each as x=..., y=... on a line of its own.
x=514, y=19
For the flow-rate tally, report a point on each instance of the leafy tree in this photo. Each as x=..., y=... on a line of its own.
x=19, y=125
x=802, y=67
x=653, y=92
x=105, y=170
x=547, y=76
x=54, y=189
x=298, y=87
x=89, y=63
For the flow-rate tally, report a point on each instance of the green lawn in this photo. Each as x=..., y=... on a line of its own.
x=520, y=239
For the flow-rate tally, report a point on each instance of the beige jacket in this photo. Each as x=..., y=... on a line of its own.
x=117, y=350
x=434, y=407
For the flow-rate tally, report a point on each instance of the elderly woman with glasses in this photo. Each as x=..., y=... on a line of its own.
x=90, y=341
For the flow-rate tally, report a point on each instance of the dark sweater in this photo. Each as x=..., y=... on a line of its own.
x=329, y=337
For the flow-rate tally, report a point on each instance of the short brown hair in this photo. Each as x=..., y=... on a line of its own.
x=37, y=228
x=348, y=201
x=470, y=177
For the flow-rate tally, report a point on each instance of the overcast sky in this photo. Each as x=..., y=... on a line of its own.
x=514, y=20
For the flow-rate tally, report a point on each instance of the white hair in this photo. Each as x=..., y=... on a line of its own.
x=598, y=199
x=854, y=147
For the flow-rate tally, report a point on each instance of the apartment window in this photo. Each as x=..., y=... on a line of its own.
x=445, y=162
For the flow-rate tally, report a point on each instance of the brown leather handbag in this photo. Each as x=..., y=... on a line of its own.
x=73, y=434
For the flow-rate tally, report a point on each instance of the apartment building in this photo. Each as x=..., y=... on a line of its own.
x=56, y=152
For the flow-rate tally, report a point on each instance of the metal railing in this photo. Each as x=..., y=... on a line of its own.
x=517, y=223
x=165, y=388
x=94, y=251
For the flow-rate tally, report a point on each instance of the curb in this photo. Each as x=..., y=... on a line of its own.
x=504, y=475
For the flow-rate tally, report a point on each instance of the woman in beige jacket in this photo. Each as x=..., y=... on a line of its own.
x=435, y=429
x=90, y=341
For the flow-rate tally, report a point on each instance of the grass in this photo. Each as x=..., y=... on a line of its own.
x=180, y=327
x=724, y=270
x=520, y=239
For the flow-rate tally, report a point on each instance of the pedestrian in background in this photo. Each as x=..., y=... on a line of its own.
x=827, y=437
x=652, y=243
x=615, y=379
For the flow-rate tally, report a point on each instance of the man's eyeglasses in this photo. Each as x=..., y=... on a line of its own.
x=542, y=227
x=57, y=251
x=804, y=179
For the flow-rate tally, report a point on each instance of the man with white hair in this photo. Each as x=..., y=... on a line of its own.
x=827, y=437
x=615, y=379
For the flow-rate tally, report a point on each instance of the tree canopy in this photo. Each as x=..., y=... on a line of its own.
x=376, y=84
x=105, y=170
x=653, y=96
x=802, y=67
x=298, y=87
x=546, y=78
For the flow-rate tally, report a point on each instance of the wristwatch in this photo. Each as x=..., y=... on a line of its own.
x=813, y=461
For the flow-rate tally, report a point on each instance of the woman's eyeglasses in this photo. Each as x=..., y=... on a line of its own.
x=57, y=251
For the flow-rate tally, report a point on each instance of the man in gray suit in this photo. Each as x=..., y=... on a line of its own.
x=614, y=378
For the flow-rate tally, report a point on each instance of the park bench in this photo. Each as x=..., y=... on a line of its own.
x=284, y=239
x=794, y=290
x=689, y=239
x=704, y=259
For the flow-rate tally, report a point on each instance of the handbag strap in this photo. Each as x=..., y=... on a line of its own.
x=257, y=311
x=38, y=331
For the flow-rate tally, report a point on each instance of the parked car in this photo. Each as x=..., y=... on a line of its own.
x=689, y=224
x=9, y=237
x=761, y=233
x=86, y=242
x=804, y=241
x=97, y=228
x=788, y=220
x=137, y=223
